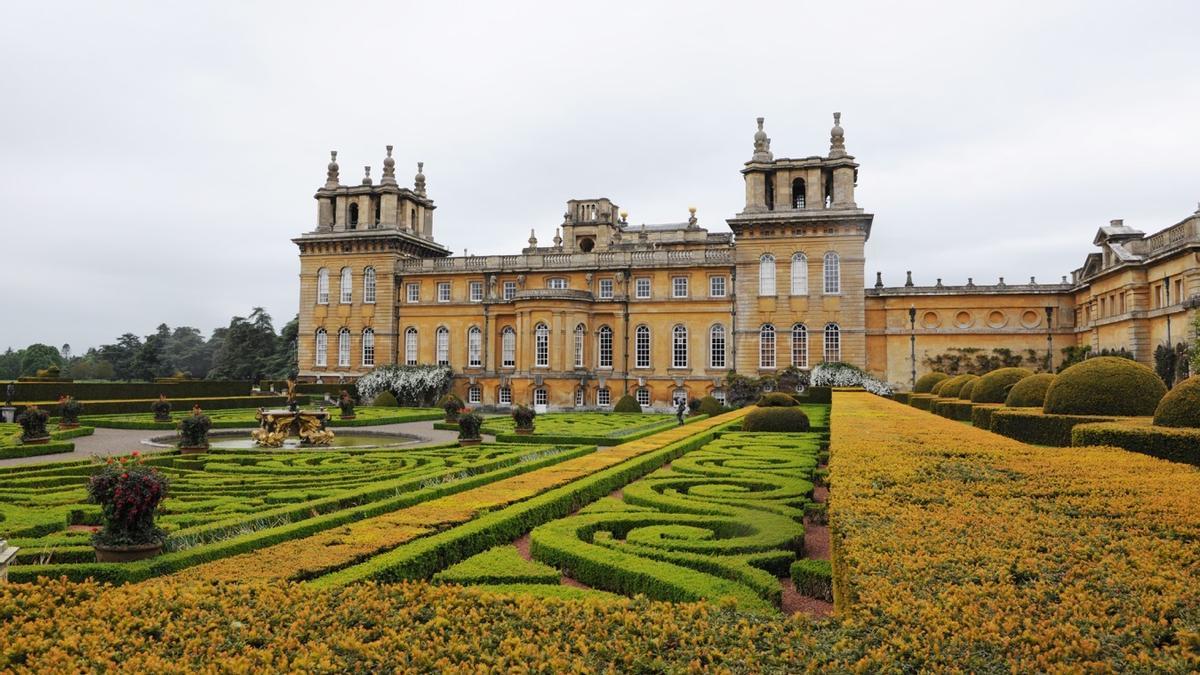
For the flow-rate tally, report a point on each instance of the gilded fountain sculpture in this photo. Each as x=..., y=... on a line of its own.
x=276, y=426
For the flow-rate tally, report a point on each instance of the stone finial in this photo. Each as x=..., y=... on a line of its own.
x=908, y=281
x=642, y=234
x=624, y=217
x=532, y=239
x=419, y=179
x=939, y=283
x=837, y=137
x=1064, y=279
x=692, y=216
x=557, y=238
x=1001, y=282
x=331, y=173
x=879, y=280
x=1033, y=281
x=366, y=175
x=762, y=144
x=970, y=282
x=389, y=169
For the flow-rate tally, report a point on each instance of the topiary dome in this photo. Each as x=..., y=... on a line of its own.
x=781, y=419
x=776, y=400
x=925, y=383
x=1030, y=392
x=994, y=386
x=1105, y=385
x=385, y=399
x=1181, y=406
x=950, y=388
x=711, y=406
x=964, y=393
x=627, y=404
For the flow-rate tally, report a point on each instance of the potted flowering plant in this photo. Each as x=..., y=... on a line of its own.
x=193, y=432
x=129, y=493
x=346, y=405
x=453, y=406
x=33, y=426
x=523, y=419
x=468, y=429
x=68, y=411
x=162, y=409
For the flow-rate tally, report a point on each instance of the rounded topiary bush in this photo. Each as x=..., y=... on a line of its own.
x=1029, y=392
x=950, y=388
x=926, y=382
x=385, y=399
x=993, y=387
x=1105, y=385
x=782, y=419
x=776, y=400
x=711, y=406
x=1181, y=406
x=627, y=404
x=964, y=393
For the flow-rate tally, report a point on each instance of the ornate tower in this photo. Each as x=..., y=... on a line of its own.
x=799, y=259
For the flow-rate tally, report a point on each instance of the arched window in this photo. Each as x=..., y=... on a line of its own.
x=410, y=346
x=474, y=347
x=541, y=346
x=322, y=354
x=347, y=286
x=508, y=347
x=322, y=286
x=641, y=347
x=766, y=274
x=716, y=346
x=833, y=274
x=368, y=347
x=369, y=285
x=678, y=396
x=799, y=274
x=833, y=342
x=443, y=346
x=604, y=347
x=344, y=347
x=800, y=345
x=353, y=215
x=798, y=193
x=580, y=332
x=766, y=346
x=679, y=347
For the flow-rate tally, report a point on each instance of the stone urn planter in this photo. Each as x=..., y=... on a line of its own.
x=123, y=554
x=68, y=425
x=35, y=441
x=347, y=417
x=193, y=449
x=524, y=432
x=469, y=441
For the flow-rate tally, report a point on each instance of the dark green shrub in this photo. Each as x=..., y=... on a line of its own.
x=193, y=430
x=1181, y=406
x=936, y=390
x=468, y=426
x=815, y=395
x=925, y=383
x=694, y=406
x=386, y=399
x=346, y=404
x=776, y=400
x=949, y=388
x=70, y=410
x=711, y=406
x=995, y=386
x=782, y=419
x=981, y=415
x=627, y=404
x=452, y=405
x=161, y=409
x=33, y=423
x=964, y=392
x=921, y=401
x=1030, y=392
x=1105, y=385
x=817, y=513
x=813, y=578
x=1177, y=444
x=523, y=417
x=1038, y=428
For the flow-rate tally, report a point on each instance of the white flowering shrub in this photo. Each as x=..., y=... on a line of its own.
x=412, y=385
x=839, y=374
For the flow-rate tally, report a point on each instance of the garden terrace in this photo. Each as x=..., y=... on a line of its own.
x=244, y=418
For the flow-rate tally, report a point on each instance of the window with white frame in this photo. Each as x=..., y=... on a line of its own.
x=641, y=347
x=541, y=346
x=347, y=286
x=508, y=347
x=504, y=395
x=322, y=353
x=643, y=396
x=475, y=394
x=369, y=285
x=606, y=289
x=322, y=286
x=800, y=345
x=579, y=394
x=833, y=274
x=410, y=346
x=540, y=397
x=510, y=290
x=799, y=274
x=580, y=338
x=604, y=347
x=474, y=347
x=833, y=342
x=344, y=347
x=716, y=346
x=679, y=396
x=557, y=283
x=679, y=287
x=368, y=347
x=443, y=346
x=476, y=288
x=679, y=347
x=641, y=288
x=719, y=395
x=603, y=397
x=443, y=291
x=414, y=293
x=716, y=287
x=766, y=346
x=766, y=274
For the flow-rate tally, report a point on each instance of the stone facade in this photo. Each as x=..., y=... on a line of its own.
x=664, y=311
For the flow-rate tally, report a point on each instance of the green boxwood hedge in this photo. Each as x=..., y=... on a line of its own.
x=777, y=399
x=1105, y=385
x=1181, y=406
x=922, y=401
x=964, y=392
x=1030, y=425
x=1029, y=392
x=627, y=404
x=926, y=382
x=813, y=578
x=501, y=564
x=981, y=415
x=1172, y=443
x=783, y=419
x=950, y=388
x=46, y=393
x=995, y=386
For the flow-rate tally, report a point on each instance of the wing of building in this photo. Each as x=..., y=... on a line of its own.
x=669, y=310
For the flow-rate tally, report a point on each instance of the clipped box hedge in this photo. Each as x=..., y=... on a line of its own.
x=36, y=392
x=118, y=407
x=901, y=397
x=981, y=414
x=1176, y=444
x=921, y=401
x=1030, y=425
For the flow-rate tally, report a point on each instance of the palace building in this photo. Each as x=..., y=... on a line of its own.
x=669, y=310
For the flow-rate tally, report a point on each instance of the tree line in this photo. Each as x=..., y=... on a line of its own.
x=247, y=349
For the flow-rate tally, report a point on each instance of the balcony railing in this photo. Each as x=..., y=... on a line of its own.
x=607, y=259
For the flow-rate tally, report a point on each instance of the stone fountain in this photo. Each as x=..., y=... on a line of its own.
x=276, y=426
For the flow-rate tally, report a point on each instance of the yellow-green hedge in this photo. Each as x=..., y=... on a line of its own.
x=1105, y=385
x=926, y=382
x=1174, y=443
x=995, y=386
x=1181, y=406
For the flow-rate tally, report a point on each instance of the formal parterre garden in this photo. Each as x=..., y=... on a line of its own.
x=243, y=418
x=11, y=446
x=592, y=427
x=953, y=548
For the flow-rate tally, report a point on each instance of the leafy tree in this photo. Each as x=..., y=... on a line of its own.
x=248, y=348
x=10, y=364
x=122, y=355
x=37, y=357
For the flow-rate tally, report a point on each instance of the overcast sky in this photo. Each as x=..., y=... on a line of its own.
x=156, y=158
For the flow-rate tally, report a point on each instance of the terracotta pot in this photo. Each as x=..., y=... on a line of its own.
x=193, y=449
x=347, y=417
x=69, y=425
x=35, y=441
x=469, y=441
x=120, y=554
x=524, y=432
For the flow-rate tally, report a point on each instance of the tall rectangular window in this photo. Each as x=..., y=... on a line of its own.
x=540, y=397
x=505, y=395
x=475, y=394
x=716, y=347
x=368, y=347
x=641, y=288
x=833, y=274
x=443, y=289
x=541, y=346
x=606, y=289
x=443, y=346
x=579, y=397
x=369, y=285
x=641, y=347
x=580, y=334
x=476, y=291
x=800, y=346
x=679, y=347
x=508, y=348
x=604, y=347
x=414, y=293
x=510, y=290
x=322, y=286
x=410, y=347
x=603, y=397
x=475, y=347
x=716, y=287
x=679, y=287
x=643, y=396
